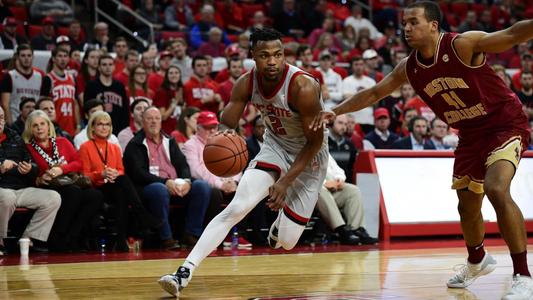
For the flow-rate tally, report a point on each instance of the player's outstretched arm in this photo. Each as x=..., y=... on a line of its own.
x=240, y=94
x=305, y=95
x=499, y=41
x=365, y=97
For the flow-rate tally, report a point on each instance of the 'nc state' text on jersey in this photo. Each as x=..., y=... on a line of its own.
x=273, y=110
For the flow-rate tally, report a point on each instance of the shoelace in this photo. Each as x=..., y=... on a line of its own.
x=462, y=271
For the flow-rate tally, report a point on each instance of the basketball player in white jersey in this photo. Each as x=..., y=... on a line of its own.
x=291, y=166
x=23, y=81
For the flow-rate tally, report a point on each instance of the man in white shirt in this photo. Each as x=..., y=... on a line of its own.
x=439, y=129
x=90, y=107
x=338, y=198
x=353, y=84
x=357, y=21
x=331, y=79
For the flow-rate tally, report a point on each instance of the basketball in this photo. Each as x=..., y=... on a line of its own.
x=225, y=155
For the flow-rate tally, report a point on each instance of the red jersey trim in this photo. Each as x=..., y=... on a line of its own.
x=261, y=165
x=277, y=88
x=435, y=55
x=296, y=218
x=459, y=58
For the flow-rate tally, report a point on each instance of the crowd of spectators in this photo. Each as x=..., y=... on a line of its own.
x=148, y=110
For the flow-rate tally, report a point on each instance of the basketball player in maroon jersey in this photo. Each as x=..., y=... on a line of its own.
x=449, y=72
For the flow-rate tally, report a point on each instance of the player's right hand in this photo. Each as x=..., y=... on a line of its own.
x=323, y=118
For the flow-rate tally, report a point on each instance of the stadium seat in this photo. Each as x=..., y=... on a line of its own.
x=460, y=9
x=20, y=13
x=34, y=30
x=167, y=35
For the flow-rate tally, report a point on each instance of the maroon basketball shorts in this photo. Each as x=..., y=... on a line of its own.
x=476, y=152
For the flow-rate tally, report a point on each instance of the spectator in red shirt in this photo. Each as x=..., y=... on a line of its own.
x=235, y=71
x=155, y=79
x=200, y=91
x=232, y=52
x=233, y=16
x=169, y=99
x=527, y=65
x=213, y=46
x=121, y=48
x=74, y=33
x=148, y=61
x=305, y=55
x=138, y=84
x=132, y=59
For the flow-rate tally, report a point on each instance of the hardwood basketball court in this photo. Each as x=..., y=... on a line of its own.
x=304, y=273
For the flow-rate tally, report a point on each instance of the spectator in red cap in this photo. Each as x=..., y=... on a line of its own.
x=380, y=137
x=45, y=40
x=55, y=9
x=9, y=38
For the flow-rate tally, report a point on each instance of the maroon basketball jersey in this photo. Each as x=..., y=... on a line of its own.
x=470, y=99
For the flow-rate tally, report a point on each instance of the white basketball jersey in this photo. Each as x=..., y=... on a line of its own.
x=23, y=86
x=283, y=125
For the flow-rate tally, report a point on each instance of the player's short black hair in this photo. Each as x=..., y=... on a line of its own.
x=431, y=10
x=264, y=34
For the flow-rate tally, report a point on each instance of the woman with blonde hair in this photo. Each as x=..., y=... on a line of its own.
x=56, y=157
x=102, y=163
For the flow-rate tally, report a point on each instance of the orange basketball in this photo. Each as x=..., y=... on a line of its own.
x=225, y=155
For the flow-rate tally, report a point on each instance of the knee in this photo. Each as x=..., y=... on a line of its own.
x=54, y=200
x=468, y=210
x=156, y=192
x=8, y=200
x=496, y=192
x=200, y=186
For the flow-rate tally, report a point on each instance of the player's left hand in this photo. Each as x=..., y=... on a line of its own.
x=277, y=193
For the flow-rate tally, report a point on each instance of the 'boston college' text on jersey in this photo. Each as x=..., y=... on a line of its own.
x=469, y=98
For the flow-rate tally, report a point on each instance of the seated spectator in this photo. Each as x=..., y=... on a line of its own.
x=341, y=148
x=332, y=80
x=46, y=40
x=353, y=131
x=137, y=108
x=255, y=141
x=16, y=181
x=58, y=10
x=288, y=19
x=101, y=38
x=169, y=98
x=328, y=26
x=46, y=104
x=121, y=49
x=341, y=206
x=200, y=31
x=200, y=91
x=526, y=64
x=75, y=35
x=179, y=16
x=418, y=129
x=525, y=94
x=326, y=42
x=181, y=59
x=354, y=83
x=160, y=173
x=90, y=107
x=439, y=130
x=138, y=84
x=234, y=71
x=347, y=39
x=148, y=60
x=132, y=60
x=381, y=137
x=408, y=114
x=55, y=156
x=258, y=22
x=9, y=37
x=149, y=12
x=470, y=22
x=371, y=58
x=26, y=107
x=421, y=107
x=305, y=55
x=233, y=16
x=213, y=46
x=102, y=163
x=357, y=21
x=186, y=127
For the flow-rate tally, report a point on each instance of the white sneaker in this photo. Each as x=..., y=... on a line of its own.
x=466, y=274
x=521, y=289
x=174, y=283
